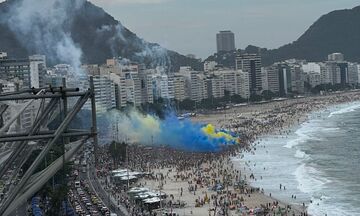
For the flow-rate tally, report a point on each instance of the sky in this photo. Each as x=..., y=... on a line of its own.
x=190, y=26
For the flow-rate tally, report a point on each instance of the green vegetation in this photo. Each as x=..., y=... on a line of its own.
x=118, y=151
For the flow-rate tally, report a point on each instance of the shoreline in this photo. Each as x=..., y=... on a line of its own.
x=191, y=177
x=290, y=127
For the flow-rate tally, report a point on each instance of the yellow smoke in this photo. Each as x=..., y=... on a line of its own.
x=211, y=132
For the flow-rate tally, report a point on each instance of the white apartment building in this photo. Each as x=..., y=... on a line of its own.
x=311, y=67
x=162, y=87
x=297, y=79
x=272, y=76
x=353, y=73
x=333, y=72
x=195, y=84
x=215, y=86
x=147, y=95
x=104, y=93
x=264, y=78
x=243, y=84
x=120, y=89
x=37, y=70
x=179, y=87
x=209, y=66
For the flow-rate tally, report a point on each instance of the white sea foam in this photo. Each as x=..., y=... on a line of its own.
x=300, y=154
x=302, y=135
x=324, y=206
x=309, y=179
x=348, y=109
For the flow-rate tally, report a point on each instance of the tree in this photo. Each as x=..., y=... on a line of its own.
x=255, y=97
x=187, y=104
x=118, y=151
x=268, y=95
x=238, y=99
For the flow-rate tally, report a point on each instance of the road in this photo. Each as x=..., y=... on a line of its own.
x=109, y=201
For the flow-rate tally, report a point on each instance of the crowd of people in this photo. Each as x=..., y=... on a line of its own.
x=208, y=182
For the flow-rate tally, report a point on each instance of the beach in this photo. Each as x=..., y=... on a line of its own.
x=217, y=183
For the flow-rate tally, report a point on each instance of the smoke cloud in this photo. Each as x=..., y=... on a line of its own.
x=132, y=47
x=179, y=134
x=41, y=27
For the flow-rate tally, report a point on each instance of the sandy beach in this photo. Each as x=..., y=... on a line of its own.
x=211, y=183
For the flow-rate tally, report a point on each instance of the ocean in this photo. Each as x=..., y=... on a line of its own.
x=318, y=162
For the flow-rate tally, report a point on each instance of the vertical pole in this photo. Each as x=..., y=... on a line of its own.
x=94, y=126
x=64, y=140
x=127, y=164
x=18, y=120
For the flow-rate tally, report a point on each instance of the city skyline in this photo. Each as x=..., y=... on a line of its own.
x=280, y=20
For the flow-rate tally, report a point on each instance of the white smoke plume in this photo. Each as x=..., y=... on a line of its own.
x=41, y=28
x=145, y=52
x=44, y=27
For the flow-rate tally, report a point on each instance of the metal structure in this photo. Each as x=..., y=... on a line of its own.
x=22, y=144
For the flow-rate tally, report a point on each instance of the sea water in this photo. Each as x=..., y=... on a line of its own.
x=318, y=162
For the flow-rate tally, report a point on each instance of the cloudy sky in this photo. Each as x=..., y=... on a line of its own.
x=190, y=26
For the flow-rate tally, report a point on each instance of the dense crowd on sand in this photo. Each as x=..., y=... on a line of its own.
x=208, y=183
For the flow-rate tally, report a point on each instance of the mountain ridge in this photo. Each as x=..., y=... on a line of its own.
x=336, y=31
x=97, y=34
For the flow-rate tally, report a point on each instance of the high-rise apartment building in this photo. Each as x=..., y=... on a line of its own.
x=17, y=70
x=242, y=83
x=215, y=86
x=353, y=73
x=179, y=87
x=251, y=64
x=285, y=84
x=272, y=75
x=225, y=41
x=297, y=79
x=104, y=93
x=37, y=70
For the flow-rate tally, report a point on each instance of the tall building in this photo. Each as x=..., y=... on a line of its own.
x=285, y=83
x=161, y=86
x=242, y=84
x=272, y=74
x=215, y=86
x=37, y=70
x=325, y=77
x=344, y=72
x=146, y=85
x=195, y=84
x=104, y=93
x=179, y=87
x=225, y=41
x=264, y=79
x=336, y=57
x=17, y=70
x=251, y=64
x=297, y=79
x=353, y=73
x=120, y=89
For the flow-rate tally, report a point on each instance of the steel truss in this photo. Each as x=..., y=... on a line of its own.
x=31, y=182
